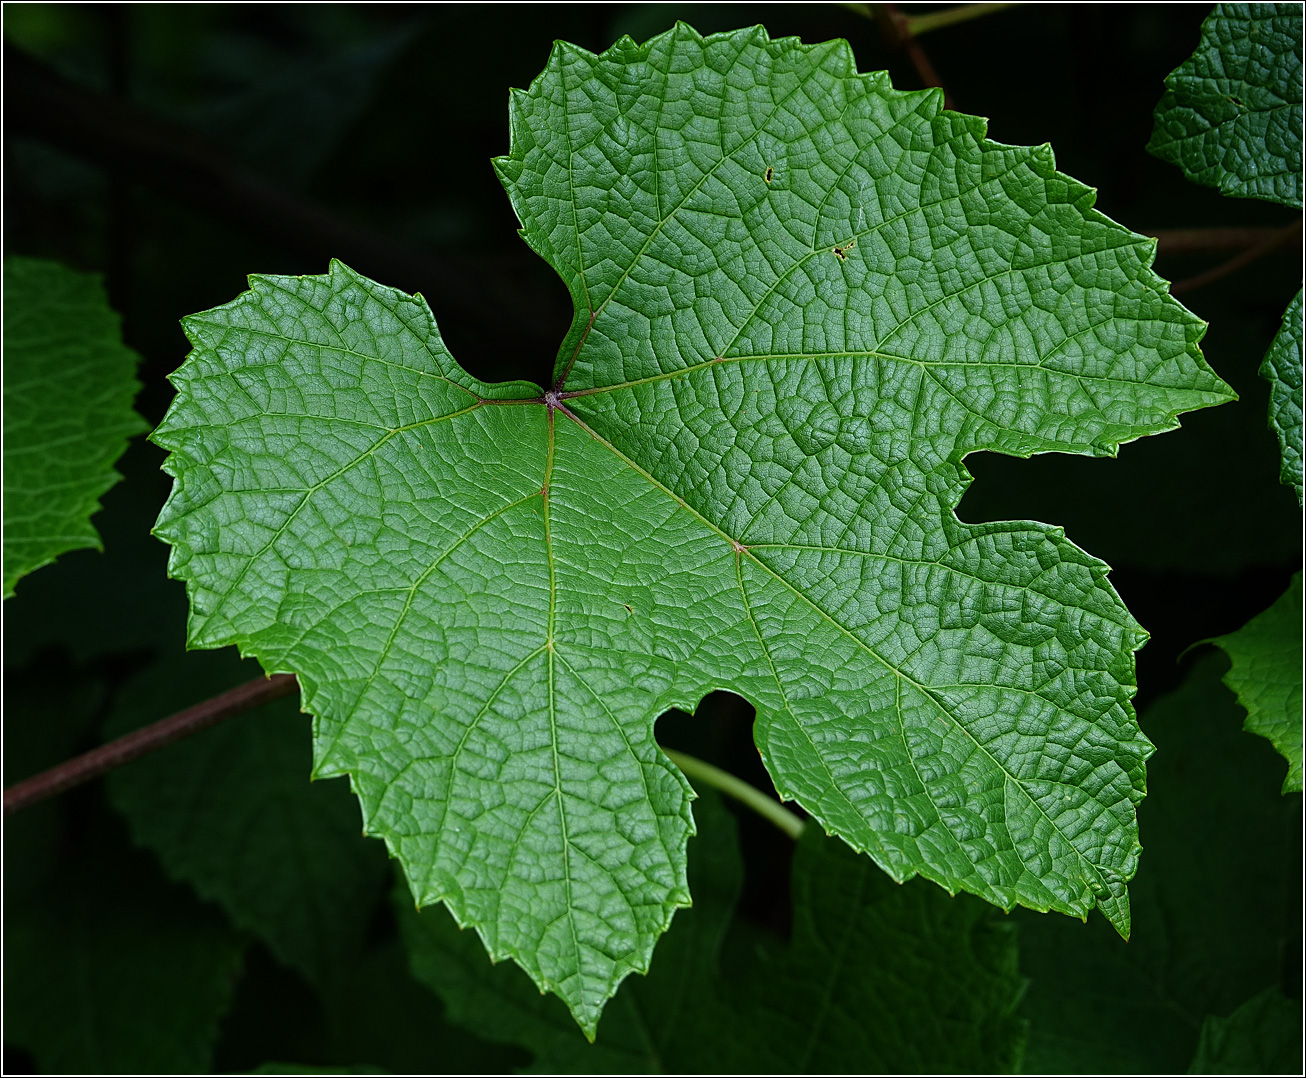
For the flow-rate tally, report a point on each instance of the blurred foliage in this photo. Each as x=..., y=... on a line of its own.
x=384, y=118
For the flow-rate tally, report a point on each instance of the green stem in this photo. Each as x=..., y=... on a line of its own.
x=923, y=24
x=735, y=787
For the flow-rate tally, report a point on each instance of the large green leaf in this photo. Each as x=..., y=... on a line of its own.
x=802, y=298
x=231, y=812
x=68, y=389
x=1282, y=368
x=1216, y=901
x=1231, y=115
x=1267, y=676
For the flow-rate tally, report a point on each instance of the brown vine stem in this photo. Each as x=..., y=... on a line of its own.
x=132, y=746
x=1174, y=241
x=1276, y=239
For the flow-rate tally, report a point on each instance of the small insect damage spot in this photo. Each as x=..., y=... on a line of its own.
x=738, y=547
x=769, y=175
x=842, y=252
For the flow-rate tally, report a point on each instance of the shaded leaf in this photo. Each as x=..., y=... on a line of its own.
x=938, y=974
x=110, y=969
x=1263, y=1036
x=230, y=811
x=1266, y=675
x=382, y=1016
x=50, y=714
x=1231, y=115
x=881, y=978
x=68, y=389
x=1214, y=902
x=124, y=600
x=744, y=478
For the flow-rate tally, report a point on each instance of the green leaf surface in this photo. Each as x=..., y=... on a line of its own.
x=938, y=974
x=230, y=811
x=1231, y=115
x=109, y=969
x=1263, y=1036
x=1282, y=368
x=802, y=298
x=1266, y=675
x=68, y=389
x=1216, y=901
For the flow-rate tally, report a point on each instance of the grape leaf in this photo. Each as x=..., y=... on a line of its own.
x=1266, y=675
x=1282, y=368
x=229, y=812
x=1212, y=918
x=1231, y=115
x=68, y=389
x=1263, y=1036
x=802, y=299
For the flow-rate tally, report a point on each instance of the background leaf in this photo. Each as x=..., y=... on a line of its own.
x=882, y=978
x=1214, y=919
x=1267, y=676
x=230, y=811
x=1282, y=368
x=1231, y=115
x=110, y=969
x=68, y=389
x=938, y=975
x=1263, y=1036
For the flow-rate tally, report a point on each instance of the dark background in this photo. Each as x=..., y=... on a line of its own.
x=176, y=149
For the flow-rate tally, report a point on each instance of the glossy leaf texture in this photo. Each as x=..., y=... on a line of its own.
x=1282, y=368
x=802, y=298
x=938, y=975
x=1231, y=115
x=68, y=390
x=1266, y=675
